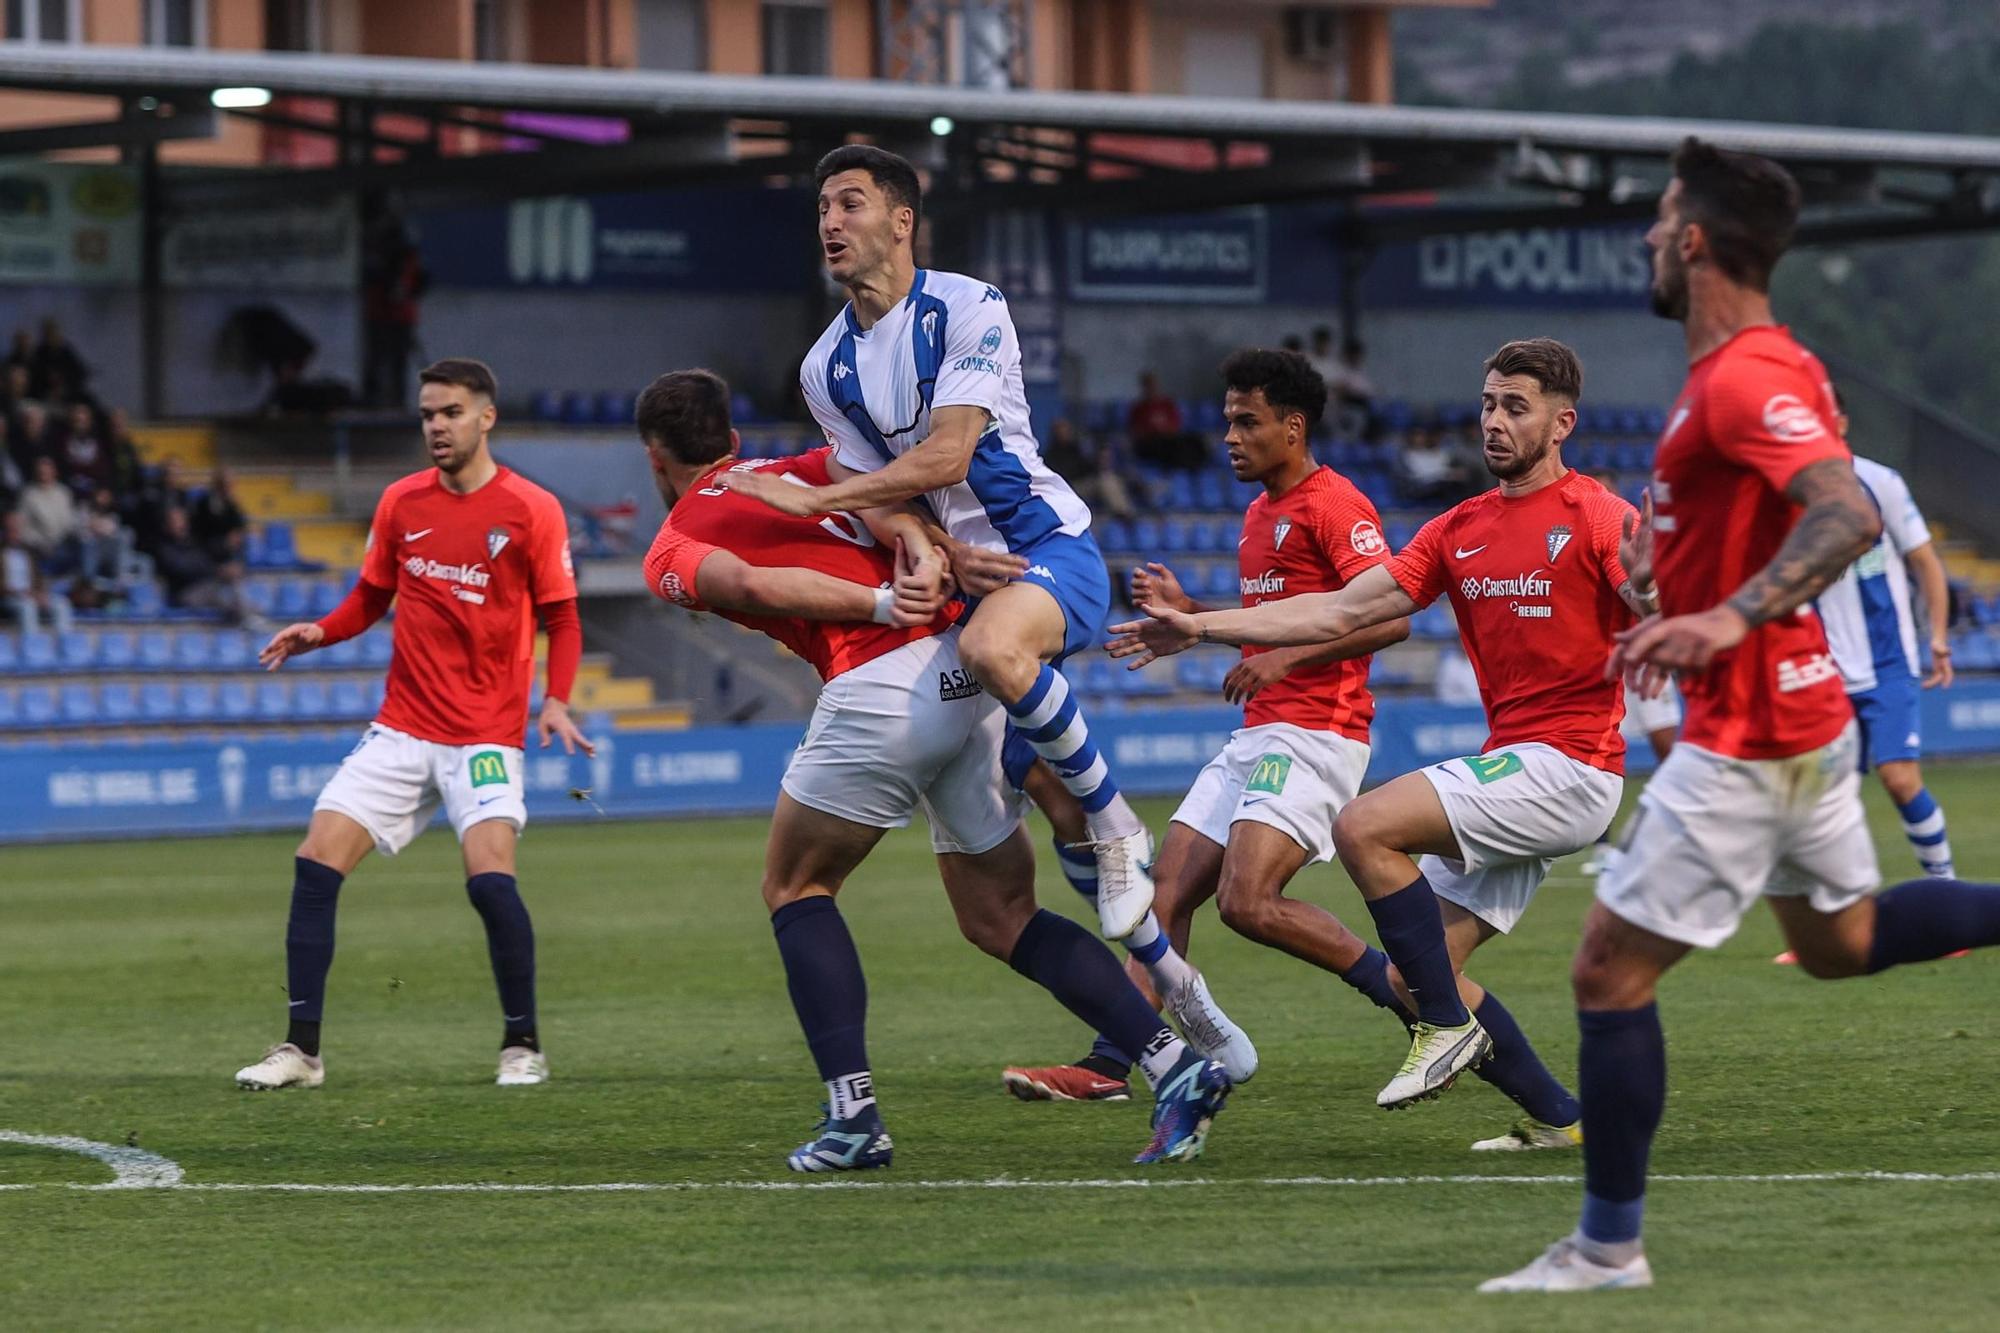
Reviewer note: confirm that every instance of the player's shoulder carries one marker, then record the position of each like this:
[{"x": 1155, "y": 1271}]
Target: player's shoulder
[
  {"x": 414, "y": 484},
  {"x": 539, "y": 499},
  {"x": 1592, "y": 495},
  {"x": 1878, "y": 476},
  {"x": 960, "y": 289},
  {"x": 1329, "y": 494},
  {"x": 823, "y": 346},
  {"x": 1473, "y": 507},
  {"x": 1765, "y": 355}
]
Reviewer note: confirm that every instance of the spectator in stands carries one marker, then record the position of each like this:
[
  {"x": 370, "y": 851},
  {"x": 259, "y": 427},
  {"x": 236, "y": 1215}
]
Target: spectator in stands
[
  {"x": 1159, "y": 435},
  {"x": 194, "y": 579},
  {"x": 32, "y": 437},
  {"x": 1088, "y": 468},
  {"x": 21, "y": 353},
  {"x": 56, "y": 365},
  {"x": 1324, "y": 359},
  {"x": 393, "y": 282},
  {"x": 24, "y": 587},
  {"x": 50, "y": 524},
  {"x": 13, "y": 474},
  {"x": 85, "y": 458},
  {"x": 127, "y": 472},
  {"x": 217, "y": 520},
  {"x": 1351, "y": 394},
  {"x": 106, "y": 550},
  {"x": 159, "y": 491},
  {"x": 1429, "y": 473}
]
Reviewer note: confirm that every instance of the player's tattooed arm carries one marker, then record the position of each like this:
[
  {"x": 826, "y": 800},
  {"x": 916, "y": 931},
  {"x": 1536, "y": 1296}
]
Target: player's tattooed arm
[{"x": 1838, "y": 526}]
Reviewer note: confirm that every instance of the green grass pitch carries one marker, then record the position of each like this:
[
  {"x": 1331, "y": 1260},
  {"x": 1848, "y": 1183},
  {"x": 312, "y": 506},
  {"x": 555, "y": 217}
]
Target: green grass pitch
[{"x": 135, "y": 978}]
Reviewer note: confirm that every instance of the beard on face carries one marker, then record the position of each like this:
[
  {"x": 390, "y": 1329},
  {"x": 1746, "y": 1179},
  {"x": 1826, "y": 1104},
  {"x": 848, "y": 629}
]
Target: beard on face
[
  {"x": 1670, "y": 293},
  {"x": 1521, "y": 463}
]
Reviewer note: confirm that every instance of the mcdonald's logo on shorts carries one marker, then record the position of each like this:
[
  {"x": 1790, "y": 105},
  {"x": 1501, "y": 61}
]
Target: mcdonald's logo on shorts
[
  {"x": 1270, "y": 774},
  {"x": 488, "y": 768}
]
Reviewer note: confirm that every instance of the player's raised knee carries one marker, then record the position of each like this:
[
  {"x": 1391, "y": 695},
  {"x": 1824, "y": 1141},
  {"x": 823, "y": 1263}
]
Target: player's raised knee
[
  {"x": 1250, "y": 912},
  {"x": 998, "y": 659}
]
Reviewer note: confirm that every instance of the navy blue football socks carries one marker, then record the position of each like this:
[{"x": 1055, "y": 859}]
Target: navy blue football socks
[
  {"x": 1074, "y": 966},
  {"x": 1412, "y": 933},
  {"x": 309, "y": 948},
  {"x": 823, "y": 974},
  {"x": 510, "y": 943},
  {"x": 1622, "y": 1077},
  {"x": 1516, "y": 1070},
  {"x": 1923, "y": 919}
]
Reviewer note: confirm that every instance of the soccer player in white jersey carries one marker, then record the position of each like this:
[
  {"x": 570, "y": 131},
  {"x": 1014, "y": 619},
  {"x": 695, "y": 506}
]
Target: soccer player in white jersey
[
  {"x": 1873, "y": 635},
  {"x": 917, "y": 385}
]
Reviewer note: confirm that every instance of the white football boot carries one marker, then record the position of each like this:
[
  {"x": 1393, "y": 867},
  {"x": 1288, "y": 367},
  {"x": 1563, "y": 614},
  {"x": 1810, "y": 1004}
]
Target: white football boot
[
  {"x": 1124, "y": 882},
  {"x": 1565, "y": 1267},
  {"x": 1530, "y": 1135},
  {"x": 1437, "y": 1057},
  {"x": 1210, "y": 1031},
  {"x": 283, "y": 1066},
  {"x": 522, "y": 1068}
]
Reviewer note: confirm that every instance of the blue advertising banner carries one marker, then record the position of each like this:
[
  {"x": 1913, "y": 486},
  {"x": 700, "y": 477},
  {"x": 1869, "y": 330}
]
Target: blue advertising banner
[
  {"x": 688, "y": 240},
  {"x": 1567, "y": 267},
  {"x": 1221, "y": 257},
  {"x": 166, "y": 788}
]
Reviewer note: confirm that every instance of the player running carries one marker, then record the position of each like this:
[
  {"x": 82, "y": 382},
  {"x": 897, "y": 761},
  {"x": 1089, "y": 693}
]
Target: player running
[
  {"x": 471, "y": 554},
  {"x": 917, "y": 384},
  {"x": 1263, "y": 809},
  {"x": 899, "y": 724},
  {"x": 1536, "y": 584},
  {"x": 1758, "y": 511}
]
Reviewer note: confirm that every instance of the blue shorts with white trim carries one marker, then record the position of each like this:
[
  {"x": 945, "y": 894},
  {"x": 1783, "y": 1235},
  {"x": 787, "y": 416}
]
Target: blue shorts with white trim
[
  {"x": 1072, "y": 569},
  {"x": 1889, "y": 716}
]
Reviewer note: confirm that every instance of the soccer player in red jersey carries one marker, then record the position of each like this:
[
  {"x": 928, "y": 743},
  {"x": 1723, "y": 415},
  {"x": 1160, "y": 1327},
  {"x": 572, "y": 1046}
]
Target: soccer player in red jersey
[
  {"x": 471, "y": 554},
  {"x": 902, "y": 723},
  {"x": 1756, "y": 510},
  {"x": 1263, "y": 809},
  {"x": 1532, "y": 570}
]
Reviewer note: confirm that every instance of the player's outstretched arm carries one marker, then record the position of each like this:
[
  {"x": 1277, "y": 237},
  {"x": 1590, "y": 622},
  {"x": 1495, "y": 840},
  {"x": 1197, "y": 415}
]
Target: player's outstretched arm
[
  {"x": 1313, "y": 618},
  {"x": 1252, "y": 674},
  {"x": 1838, "y": 525},
  {"x": 943, "y": 458},
  {"x": 364, "y": 604},
  {"x": 729, "y": 583}
]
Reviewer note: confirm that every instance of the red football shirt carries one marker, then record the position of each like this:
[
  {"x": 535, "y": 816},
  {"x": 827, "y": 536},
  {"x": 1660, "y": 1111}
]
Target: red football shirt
[
  {"x": 1755, "y": 412},
  {"x": 711, "y": 518},
  {"x": 1317, "y": 537},
  {"x": 1534, "y": 585},
  {"x": 468, "y": 572}
]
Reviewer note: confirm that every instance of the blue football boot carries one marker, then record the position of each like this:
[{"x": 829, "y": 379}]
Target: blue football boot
[
  {"x": 1189, "y": 1097},
  {"x": 859, "y": 1144}
]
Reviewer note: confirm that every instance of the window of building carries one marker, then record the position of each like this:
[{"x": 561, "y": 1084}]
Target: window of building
[
  {"x": 44, "y": 20},
  {"x": 293, "y": 25},
  {"x": 493, "y": 25},
  {"x": 671, "y": 34},
  {"x": 795, "y": 37},
  {"x": 176, "y": 23}
]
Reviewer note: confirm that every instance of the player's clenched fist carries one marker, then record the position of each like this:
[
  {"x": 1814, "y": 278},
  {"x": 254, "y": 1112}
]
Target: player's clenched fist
[{"x": 289, "y": 642}]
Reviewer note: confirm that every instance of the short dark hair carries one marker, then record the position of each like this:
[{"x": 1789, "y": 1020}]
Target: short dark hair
[
  {"x": 686, "y": 412},
  {"x": 893, "y": 175},
  {"x": 463, "y": 371},
  {"x": 1747, "y": 205},
  {"x": 1551, "y": 364},
  {"x": 1289, "y": 382}
]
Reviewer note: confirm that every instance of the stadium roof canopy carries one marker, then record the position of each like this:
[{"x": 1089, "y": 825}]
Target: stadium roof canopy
[{"x": 1071, "y": 151}]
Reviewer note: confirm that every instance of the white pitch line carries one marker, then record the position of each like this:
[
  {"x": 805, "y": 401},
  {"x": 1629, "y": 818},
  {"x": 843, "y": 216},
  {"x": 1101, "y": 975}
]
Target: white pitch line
[
  {"x": 131, "y": 1168},
  {"x": 1009, "y": 1183}
]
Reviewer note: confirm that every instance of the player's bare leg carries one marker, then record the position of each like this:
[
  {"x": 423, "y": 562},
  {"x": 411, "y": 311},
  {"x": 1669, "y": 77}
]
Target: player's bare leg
[
  {"x": 993, "y": 895},
  {"x": 1376, "y": 837},
  {"x": 1008, "y": 645},
  {"x": 334, "y": 844},
  {"x": 488, "y": 848},
  {"x": 809, "y": 856},
  {"x": 1553, "y": 1118}
]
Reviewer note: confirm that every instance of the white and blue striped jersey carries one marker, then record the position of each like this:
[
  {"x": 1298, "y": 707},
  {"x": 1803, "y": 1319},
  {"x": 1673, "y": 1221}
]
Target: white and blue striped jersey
[
  {"x": 1866, "y": 610},
  {"x": 949, "y": 343}
]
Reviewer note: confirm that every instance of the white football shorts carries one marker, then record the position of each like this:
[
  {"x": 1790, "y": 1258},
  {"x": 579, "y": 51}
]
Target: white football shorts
[
  {"x": 909, "y": 729},
  {"x": 391, "y": 783},
  {"x": 1515, "y": 810},
  {"x": 1712, "y": 833},
  {"x": 1290, "y": 778},
  {"x": 1645, "y": 716}
]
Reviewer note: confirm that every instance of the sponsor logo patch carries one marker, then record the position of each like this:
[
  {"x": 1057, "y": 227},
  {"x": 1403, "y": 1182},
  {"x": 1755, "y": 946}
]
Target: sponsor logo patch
[
  {"x": 1493, "y": 767},
  {"x": 1367, "y": 539},
  {"x": 674, "y": 590},
  {"x": 1279, "y": 532},
  {"x": 989, "y": 342},
  {"x": 1788, "y": 418},
  {"x": 957, "y": 684},
  {"x": 496, "y": 542},
  {"x": 487, "y": 768},
  {"x": 1264, "y": 585},
  {"x": 1531, "y": 584},
  {"x": 1269, "y": 774},
  {"x": 1796, "y": 673},
  {"x": 1559, "y": 536}
]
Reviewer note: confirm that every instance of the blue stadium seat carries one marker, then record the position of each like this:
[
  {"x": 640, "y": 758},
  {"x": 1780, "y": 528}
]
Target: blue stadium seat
[
  {"x": 293, "y": 600},
  {"x": 1097, "y": 676},
  {"x": 376, "y": 648},
  {"x": 1655, "y": 419},
  {"x": 280, "y": 551},
  {"x": 1146, "y": 537},
  {"x": 1191, "y": 672},
  {"x": 234, "y": 701},
  {"x": 274, "y": 700},
  {"x": 1223, "y": 581},
  {"x": 1180, "y": 491},
  {"x": 1114, "y": 534},
  {"x": 326, "y": 594},
  {"x": 377, "y": 687},
  {"x": 1210, "y": 491},
  {"x": 79, "y": 704},
  {"x": 234, "y": 650},
  {"x": 616, "y": 408},
  {"x": 198, "y": 702},
  {"x": 348, "y": 699},
  {"x": 253, "y": 547},
  {"x": 194, "y": 650},
  {"x": 158, "y": 701},
  {"x": 118, "y": 702},
  {"x": 742, "y": 409},
  {"x": 38, "y": 706},
  {"x": 10, "y": 653},
  {"x": 144, "y": 600},
  {"x": 1174, "y": 536},
  {"x": 117, "y": 651},
  {"x": 545, "y": 405},
  {"x": 346, "y": 653},
  {"x": 576, "y": 409},
  {"x": 10, "y": 707},
  {"x": 38, "y": 652},
  {"x": 261, "y": 597},
  {"x": 310, "y": 701},
  {"x": 156, "y": 650},
  {"x": 77, "y": 650}
]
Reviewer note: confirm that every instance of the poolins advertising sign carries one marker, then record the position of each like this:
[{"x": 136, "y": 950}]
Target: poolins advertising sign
[{"x": 1605, "y": 267}]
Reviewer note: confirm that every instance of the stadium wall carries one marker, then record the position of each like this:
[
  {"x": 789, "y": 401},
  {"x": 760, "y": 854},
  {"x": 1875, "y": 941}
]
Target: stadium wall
[{"x": 221, "y": 785}]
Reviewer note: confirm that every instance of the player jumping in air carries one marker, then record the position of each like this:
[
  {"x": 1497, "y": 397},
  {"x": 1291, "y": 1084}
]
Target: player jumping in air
[
  {"x": 899, "y": 724},
  {"x": 1534, "y": 576},
  {"x": 917, "y": 385},
  {"x": 1757, "y": 510},
  {"x": 471, "y": 554}
]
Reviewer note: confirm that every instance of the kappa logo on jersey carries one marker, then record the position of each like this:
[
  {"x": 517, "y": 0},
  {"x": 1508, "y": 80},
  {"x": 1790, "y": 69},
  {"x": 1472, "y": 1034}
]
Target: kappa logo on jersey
[
  {"x": 1279, "y": 533},
  {"x": 1803, "y": 673},
  {"x": 1367, "y": 539},
  {"x": 674, "y": 590},
  {"x": 841, "y": 370},
  {"x": 1559, "y": 536},
  {"x": 930, "y": 326},
  {"x": 992, "y": 294},
  {"x": 1521, "y": 585},
  {"x": 1788, "y": 418},
  {"x": 957, "y": 684},
  {"x": 1264, "y": 585},
  {"x": 496, "y": 542}
]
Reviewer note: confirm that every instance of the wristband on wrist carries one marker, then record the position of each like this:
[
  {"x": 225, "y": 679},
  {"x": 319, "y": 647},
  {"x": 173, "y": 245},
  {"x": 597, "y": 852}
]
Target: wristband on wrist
[{"x": 885, "y": 605}]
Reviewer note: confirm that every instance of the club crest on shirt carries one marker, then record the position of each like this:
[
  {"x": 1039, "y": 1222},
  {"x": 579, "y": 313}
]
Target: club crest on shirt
[
  {"x": 1282, "y": 530},
  {"x": 1559, "y": 536},
  {"x": 496, "y": 542}
]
